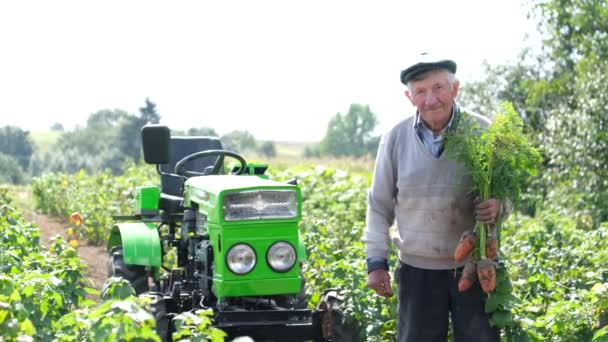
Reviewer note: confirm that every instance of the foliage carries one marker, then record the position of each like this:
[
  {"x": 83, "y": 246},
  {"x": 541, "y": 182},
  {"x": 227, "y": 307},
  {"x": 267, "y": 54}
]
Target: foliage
[
  {"x": 114, "y": 320},
  {"x": 109, "y": 139},
  {"x": 559, "y": 271},
  {"x": 499, "y": 159},
  {"x": 267, "y": 149},
  {"x": 5, "y": 196},
  {"x": 561, "y": 93},
  {"x": 116, "y": 288},
  {"x": 129, "y": 136},
  {"x": 16, "y": 143},
  {"x": 556, "y": 262},
  {"x": 10, "y": 170},
  {"x": 197, "y": 326},
  {"x": 202, "y": 131},
  {"x": 334, "y": 206},
  {"x": 351, "y": 134},
  {"x": 62, "y": 194},
  {"x": 37, "y": 286},
  {"x": 239, "y": 141},
  {"x": 57, "y": 126}
]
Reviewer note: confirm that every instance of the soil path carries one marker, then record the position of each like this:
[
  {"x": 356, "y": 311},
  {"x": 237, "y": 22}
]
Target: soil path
[{"x": 95, "y": 258}]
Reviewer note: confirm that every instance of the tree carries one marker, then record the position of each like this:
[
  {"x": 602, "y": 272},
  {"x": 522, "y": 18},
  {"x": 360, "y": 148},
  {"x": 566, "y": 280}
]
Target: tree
[
  {"x": 563, "y": 95},
  {"x": 238, "y": 141},
  {"x": 268, "y": 149},
  {"x": 130, "y": 127},
  {"x": 10, "y": 171},
  {"x": 16, "y": 143},
  {"x": 148, "y": 113},
  {"x": 351, "y": 134},
  {"x": 57, "y": 127},
  {"x": 203, "y": 131}
]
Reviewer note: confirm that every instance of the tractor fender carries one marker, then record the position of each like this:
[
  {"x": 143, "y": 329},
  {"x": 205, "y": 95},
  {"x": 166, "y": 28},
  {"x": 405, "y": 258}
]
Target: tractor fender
[{"x": 140, "y": 243}]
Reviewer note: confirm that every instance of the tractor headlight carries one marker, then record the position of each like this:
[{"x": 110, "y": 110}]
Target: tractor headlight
[
  {"x": 241, "y": 258},
  {"x": 260, "y": 204},
  {"x": 281, "y": 256}
]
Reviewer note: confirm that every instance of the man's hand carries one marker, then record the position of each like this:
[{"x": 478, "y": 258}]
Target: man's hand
[
  {"x": 380, "y": 281},
  {"x": 487, "y": 211}
]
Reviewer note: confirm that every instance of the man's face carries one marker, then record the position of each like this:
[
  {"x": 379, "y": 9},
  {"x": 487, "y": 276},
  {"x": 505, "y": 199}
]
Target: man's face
[{"x": 433, "y": 96}]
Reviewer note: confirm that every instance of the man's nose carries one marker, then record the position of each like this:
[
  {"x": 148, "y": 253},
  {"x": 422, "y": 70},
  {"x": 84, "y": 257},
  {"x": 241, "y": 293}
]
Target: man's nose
[{"x": 430, "y": 99}]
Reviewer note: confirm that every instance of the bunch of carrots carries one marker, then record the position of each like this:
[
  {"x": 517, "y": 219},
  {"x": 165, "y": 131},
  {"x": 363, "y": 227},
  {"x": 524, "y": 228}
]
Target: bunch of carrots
[
  {"x": 498, "y": 160},
  {"x": 482, "y": 267}
]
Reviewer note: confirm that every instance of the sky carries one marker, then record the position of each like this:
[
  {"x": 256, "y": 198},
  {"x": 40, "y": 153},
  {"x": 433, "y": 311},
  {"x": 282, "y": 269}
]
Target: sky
[{"x": 279, "y": 69}]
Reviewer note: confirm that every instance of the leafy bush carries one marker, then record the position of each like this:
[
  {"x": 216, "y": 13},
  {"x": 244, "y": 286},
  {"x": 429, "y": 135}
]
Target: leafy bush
[
  {"x": 97, "y": 197},
  {"x": 334, "y": 207},
  {"x": 557, "y": 262},
  {"x": 559, "y": 271},
  {"x": 37, "y": 286}
]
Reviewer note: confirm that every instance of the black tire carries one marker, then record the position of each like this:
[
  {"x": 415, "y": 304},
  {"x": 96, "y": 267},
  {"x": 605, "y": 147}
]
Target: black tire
[
  {"x": 333, "y": 323},
  {"x": 134, "y": 274}
]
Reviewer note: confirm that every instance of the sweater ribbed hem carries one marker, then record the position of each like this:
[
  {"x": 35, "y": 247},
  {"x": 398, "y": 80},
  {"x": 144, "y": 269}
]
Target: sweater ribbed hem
[{"x": 430, "y": 264}]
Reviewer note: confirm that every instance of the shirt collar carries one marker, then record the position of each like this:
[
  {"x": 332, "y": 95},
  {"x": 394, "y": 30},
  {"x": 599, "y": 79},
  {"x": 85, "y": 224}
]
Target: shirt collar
[{"x": 419, "y": 124}]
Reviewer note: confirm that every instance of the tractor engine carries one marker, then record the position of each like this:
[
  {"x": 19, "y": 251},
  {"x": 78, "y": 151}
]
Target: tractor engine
[{"x": 199, "y": 259}]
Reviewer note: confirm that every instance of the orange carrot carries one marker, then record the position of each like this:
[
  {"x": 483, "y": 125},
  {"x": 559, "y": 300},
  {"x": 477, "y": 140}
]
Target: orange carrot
[
  {"x": 465, "y": 246},
  {"x": 486, "y": 271},
  {"x": 492, "y": 248},
  {"x": 468, "y": 277}
]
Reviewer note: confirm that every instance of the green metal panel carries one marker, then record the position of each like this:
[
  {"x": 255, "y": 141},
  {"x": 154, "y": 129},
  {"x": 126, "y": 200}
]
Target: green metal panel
[
  {"x": 260, "y": 237},
  {"x": 258, "y": 287},
  {"x": 147, "y": 198},
  {"x": 209, "y": 191},
  {"x": 140, "y": 242}
]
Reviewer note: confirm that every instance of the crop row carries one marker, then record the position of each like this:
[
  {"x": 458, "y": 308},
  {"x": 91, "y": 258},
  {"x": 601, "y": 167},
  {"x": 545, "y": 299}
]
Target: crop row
[
  {"x": 557, "y": 265},
  {"x": 43, "y": 294}
]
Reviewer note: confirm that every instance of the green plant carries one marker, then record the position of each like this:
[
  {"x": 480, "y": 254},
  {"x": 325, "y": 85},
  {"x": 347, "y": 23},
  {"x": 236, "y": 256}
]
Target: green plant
[
  {"x": 499, "y": 160},
  {"x": 197, "y": 326}
]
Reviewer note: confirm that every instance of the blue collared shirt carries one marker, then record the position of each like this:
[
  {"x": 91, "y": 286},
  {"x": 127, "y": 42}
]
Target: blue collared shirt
[{"x": 434, "y": 143}]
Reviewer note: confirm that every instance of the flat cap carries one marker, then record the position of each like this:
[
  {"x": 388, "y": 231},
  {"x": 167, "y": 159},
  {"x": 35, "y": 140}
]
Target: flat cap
[{"x": 426, "y": 62}]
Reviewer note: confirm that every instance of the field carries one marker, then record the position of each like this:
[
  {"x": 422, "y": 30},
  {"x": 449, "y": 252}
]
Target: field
[{"x": 556, "y": 263}]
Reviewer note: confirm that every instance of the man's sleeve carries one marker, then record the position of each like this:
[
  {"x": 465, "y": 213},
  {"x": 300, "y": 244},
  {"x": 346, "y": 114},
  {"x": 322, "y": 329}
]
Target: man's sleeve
[
  {"x": 381, "y": 203},
  {"x": 505, "y": 209}
]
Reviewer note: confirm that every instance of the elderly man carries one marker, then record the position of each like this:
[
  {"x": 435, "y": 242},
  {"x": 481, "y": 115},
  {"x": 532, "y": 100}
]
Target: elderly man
[{"x": 416, "y": 185}]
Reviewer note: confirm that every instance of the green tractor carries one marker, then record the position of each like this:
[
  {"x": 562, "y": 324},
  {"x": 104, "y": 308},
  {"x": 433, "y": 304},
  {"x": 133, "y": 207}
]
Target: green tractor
[{"x": 237, "y": 247}]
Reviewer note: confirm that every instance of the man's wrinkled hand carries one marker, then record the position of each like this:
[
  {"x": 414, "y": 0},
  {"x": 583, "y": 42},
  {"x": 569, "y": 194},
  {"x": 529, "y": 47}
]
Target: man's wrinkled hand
[
  {"x": 380, "y": 281},
  {"x": 487, "y": 211}
]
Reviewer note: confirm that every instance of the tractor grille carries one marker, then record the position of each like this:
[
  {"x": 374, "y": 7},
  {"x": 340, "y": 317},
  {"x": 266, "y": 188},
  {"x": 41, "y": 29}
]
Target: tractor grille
[{"x": 260, "y": 204}]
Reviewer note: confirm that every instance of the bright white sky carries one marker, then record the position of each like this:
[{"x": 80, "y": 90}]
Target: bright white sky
[{"x": 279, "y": 69}]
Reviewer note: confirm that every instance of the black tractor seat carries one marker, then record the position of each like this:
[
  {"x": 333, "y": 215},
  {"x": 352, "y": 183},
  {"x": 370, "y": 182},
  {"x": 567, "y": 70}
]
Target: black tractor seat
[{"x": 171, "y": 203}]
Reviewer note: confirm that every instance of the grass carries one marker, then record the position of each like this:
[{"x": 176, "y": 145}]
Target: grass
[{"x": 44, "y": 140}]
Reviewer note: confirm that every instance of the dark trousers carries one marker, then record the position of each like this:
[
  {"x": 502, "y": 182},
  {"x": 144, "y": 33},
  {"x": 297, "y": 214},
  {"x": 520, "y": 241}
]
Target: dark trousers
[{"x": 426, "y": 299}]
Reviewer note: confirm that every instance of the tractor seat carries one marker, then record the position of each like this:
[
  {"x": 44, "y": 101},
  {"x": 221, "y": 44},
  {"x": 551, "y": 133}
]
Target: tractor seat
[{"x": 171, "y": 203}]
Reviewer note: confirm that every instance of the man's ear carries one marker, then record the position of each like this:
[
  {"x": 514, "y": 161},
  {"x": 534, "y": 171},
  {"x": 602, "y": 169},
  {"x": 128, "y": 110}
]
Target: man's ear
[
  {"x": 409, "y": 96},
  {"x": 455, "y": 89}
]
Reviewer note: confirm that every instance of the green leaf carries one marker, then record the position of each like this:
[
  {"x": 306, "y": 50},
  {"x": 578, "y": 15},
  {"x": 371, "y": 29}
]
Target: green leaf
[
  {"x": 501, "y": 319},
  {"x": 601, "y": 335}
]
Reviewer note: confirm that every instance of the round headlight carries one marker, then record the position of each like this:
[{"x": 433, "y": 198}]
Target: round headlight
[
  {"x": 241, "y": 258},
  {"x": 281, "y": 256}
]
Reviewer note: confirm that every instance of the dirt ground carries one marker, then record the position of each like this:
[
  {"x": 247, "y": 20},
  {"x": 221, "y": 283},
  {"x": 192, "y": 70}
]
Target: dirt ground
[{"x": 95, "y": 258}]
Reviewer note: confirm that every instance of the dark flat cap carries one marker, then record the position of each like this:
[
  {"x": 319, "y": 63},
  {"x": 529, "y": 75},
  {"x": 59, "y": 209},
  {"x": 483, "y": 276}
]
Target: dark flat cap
[{"x": 426, "y": 62}]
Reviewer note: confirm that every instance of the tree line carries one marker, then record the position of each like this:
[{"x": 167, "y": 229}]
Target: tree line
[
  {"x": 112, "y": 137},
  {"x": 561, "y": 93}
]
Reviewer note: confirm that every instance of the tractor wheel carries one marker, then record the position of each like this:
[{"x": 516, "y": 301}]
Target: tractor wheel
[
  {"x": 158, "y": 309},
  {"x": 134, "y": 274},
  {"x": 333, "y": 324}
]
